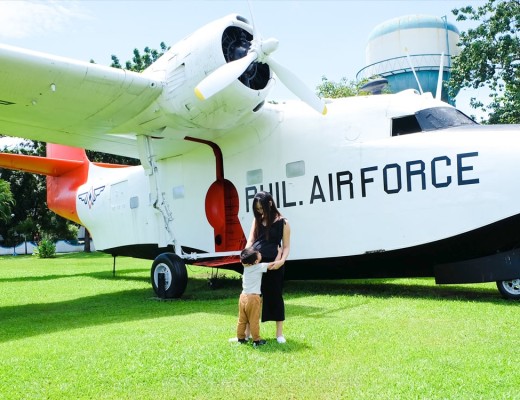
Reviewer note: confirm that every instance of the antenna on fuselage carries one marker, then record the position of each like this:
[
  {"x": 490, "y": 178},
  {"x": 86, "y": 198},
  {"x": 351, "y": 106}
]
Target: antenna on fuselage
[
  {"x": 438, "y": 92},
  {"x": 413, "y": 69}
]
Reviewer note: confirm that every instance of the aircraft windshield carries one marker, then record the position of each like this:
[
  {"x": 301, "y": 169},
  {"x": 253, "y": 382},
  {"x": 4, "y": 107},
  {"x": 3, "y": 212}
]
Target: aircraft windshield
[
  {"x": 430, "y": 119},
  {"x": 442, "y": 117}
]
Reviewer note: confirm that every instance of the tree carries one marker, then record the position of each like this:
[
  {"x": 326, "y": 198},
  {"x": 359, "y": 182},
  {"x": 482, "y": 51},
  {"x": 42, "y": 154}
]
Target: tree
[
  {"x": 490, "y": 57},
  {"x": 141, "y": 61},
  {"x": 6, "y": 201},
  {"x": 343, "y": 88}
]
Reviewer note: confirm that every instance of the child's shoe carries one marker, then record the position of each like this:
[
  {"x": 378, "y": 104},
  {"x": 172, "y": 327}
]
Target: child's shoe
[{"x": 237, "y": 340}]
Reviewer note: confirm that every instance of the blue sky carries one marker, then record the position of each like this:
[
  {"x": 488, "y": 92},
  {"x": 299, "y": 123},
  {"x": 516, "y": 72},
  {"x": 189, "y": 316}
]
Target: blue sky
[{"x": 317, "y": 38}]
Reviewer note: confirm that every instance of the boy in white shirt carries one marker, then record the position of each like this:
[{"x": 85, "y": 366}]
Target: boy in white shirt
[{"x": 250, "y": 302}]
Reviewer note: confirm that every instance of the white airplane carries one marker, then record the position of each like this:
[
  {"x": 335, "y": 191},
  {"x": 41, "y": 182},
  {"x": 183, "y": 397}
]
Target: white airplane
[{"x": 398, "y": 185}]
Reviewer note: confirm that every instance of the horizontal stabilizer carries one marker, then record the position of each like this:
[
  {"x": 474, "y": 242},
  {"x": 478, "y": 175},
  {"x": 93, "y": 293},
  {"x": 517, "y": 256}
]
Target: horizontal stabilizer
[{"x": 38, "y": 165}]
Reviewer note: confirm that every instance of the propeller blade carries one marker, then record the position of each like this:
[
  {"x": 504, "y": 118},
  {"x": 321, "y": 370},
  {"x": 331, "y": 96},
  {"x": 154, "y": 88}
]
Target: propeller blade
[
  {"x": 295, "y": 85},
  {"x": 223, "y": 76}
]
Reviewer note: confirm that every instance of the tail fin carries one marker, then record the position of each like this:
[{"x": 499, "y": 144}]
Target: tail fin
[
  {"x": 66, "y": 169},
  {"x": 61, "y": 189}
]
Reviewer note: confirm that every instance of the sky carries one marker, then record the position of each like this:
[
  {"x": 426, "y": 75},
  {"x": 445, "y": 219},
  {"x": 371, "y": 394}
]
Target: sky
[{"x": 317, "y": 38}]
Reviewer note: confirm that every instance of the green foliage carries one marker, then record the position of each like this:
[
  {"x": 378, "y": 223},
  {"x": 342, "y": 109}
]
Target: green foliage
[
  {"x": 490, "y": 57},
  {"x": 343, "y": 88},
  {"x": 6, "y": 201},
  {"x": 140, "y": 61},
  {"x": 73, "y": 231},
  {"x": 46, "y": 249},
  {"x": 96, "y": 156}
]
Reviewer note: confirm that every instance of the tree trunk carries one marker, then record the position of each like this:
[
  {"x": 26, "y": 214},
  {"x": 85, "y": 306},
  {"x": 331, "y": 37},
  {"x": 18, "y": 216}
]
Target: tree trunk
[{"x": 87, "y": 241}]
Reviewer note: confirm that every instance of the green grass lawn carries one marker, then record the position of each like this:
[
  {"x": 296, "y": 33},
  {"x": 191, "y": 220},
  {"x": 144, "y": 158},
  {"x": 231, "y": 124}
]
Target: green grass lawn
[{"x": 70, "y": 330}]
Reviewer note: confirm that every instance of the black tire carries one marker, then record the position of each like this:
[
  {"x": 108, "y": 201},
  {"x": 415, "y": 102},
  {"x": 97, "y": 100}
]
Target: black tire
[
  {"x": 509, "y": 289},
  {"x": 175, "y": 275}
]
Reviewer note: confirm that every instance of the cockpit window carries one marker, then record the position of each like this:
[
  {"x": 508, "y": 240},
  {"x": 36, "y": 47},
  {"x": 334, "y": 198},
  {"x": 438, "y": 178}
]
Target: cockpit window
[
  {"x": 430, "y": 119},
  {"x": 405, "y": 125}
]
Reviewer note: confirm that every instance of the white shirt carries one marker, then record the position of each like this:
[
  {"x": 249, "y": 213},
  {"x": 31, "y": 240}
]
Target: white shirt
[{"x": 252, "y": 278}]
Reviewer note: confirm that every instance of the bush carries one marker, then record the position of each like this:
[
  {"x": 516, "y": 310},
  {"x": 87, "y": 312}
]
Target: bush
[{"x": 45, "y": 249}]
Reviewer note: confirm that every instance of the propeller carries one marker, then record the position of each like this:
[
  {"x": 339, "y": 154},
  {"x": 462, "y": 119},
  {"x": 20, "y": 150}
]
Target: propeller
[{"x": 258, "y": 52}]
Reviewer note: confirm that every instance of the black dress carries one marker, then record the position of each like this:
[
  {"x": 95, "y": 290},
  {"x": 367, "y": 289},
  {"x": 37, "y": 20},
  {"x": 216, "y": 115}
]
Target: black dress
[{"x": 273, "y": 308}]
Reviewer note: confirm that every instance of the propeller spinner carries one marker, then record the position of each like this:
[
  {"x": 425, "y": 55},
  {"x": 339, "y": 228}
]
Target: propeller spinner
[{"x": 258, "y": 55}]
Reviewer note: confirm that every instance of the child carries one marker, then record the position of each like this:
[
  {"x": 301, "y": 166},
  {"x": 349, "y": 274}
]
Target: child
[{"x": 250, "y": 303}]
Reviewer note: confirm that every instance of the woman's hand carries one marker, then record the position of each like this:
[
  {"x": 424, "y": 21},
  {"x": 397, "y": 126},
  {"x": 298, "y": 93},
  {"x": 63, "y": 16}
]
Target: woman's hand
[{"x": 276, "y": 264}]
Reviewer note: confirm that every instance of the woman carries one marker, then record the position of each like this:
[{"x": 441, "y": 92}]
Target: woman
[{"x": 268, "y": 231}]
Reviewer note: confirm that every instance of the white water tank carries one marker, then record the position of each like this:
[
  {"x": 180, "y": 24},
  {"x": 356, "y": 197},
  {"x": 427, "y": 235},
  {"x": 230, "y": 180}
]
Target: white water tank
[{"x": 398, "y": 44}]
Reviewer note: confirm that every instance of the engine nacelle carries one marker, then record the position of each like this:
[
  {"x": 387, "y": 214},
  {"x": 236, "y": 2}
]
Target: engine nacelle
[{"x": 186, "y": 64}]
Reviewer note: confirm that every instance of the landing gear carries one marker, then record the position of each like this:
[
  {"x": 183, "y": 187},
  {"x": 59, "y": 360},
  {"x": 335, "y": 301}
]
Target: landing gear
[
  {"x": 509, "y": 289},
  {"x": 175, "y": 275}
]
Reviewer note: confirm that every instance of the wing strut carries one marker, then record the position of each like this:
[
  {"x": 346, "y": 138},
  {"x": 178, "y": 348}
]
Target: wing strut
[{"x": 158, "y": 195}]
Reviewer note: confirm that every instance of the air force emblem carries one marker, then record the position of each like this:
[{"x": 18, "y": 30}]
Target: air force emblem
[{"x": 89, "y": 197}]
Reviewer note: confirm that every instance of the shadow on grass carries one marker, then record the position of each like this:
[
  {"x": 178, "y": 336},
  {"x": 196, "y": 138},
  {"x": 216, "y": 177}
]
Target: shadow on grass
[
  {"x": 27, "y": 320},
  {"x": 387, "y": 288},
  {"x": 120, "y": 274},
  {"x": 222, "y": 283}
]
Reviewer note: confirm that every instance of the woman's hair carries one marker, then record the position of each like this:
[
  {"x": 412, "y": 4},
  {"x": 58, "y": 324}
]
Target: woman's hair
[{"x": 270, "y": 211}]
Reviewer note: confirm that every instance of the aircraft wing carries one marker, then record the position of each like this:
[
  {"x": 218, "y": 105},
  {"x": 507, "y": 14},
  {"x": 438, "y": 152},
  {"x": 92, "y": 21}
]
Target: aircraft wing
[{"x": 58, "y": 100}]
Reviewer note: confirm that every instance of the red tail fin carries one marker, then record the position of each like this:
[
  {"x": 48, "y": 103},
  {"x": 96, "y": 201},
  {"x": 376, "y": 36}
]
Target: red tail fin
[{"x": 61, "y": 189}]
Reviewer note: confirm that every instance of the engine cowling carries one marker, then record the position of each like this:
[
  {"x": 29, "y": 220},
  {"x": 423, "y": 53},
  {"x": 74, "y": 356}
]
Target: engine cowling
[{"x": 187, "y": 63}]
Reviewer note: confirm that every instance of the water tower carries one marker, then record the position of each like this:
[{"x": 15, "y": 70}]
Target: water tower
[{"x": 417, "y": 41}]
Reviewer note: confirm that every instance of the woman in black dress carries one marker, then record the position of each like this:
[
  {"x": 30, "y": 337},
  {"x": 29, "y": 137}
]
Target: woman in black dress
[{"x": 269, "y": 231}]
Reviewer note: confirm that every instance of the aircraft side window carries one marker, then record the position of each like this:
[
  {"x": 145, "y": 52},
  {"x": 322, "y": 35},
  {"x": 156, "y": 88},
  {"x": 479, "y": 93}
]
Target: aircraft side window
[
  {"x": 295, "y": 169},
  {"x": 134, "y": 202},
  {"x": 405, "y": 125},
  {"x": 178, "y": 192},
  {"x": 254, "y": 177}
]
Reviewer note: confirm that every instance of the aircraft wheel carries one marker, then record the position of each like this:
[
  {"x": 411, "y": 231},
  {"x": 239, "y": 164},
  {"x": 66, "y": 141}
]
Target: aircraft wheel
[
  {"x": 509, "y": 289},
  {"x": 175, "y": 275}
]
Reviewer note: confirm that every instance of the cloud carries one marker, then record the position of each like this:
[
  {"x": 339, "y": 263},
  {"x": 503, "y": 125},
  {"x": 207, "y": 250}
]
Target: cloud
[{"x": 22, "y": 19}]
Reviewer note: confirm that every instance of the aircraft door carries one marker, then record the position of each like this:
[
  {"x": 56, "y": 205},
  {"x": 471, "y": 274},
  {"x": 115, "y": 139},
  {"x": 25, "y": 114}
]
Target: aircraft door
[{"x": 222, "y": 205}]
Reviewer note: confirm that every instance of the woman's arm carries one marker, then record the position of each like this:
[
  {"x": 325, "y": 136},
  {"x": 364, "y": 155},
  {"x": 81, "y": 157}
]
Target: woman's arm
[
  {"x": 251, "y": 238},
  {"x": 279, "y": 254}
]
